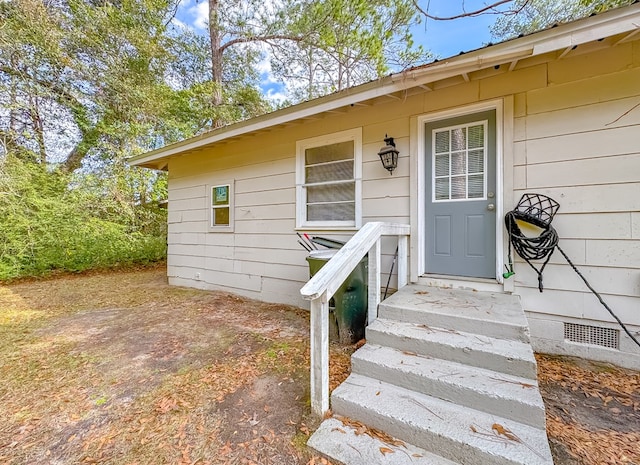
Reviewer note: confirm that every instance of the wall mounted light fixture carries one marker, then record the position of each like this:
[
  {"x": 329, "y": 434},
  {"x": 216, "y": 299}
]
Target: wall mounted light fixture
[{"x": 389, "y": 154}]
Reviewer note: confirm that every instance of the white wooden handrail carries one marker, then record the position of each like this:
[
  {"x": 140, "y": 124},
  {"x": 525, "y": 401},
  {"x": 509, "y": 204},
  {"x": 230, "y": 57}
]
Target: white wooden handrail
[{"x": 326, "y": 282}]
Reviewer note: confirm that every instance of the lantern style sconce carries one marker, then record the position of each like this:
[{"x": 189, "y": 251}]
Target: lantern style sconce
[{"x": 389, "y": 154}]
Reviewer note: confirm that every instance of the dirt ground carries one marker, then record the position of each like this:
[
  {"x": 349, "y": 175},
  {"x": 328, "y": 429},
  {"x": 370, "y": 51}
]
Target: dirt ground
[{"x": 120, "y": 368}]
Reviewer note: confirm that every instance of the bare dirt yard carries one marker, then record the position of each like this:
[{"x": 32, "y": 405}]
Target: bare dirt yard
[{"x": 120, "y": 368}]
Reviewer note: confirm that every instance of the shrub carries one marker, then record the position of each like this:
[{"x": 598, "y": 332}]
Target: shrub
[{"x": 45, "y": 225}]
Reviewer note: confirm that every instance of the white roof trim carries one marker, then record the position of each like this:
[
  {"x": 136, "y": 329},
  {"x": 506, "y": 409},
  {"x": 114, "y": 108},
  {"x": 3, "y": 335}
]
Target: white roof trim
[{"x": 568, "y": 35}]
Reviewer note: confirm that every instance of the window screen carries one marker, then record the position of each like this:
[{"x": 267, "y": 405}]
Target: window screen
[
  {"x": 459, "y": 162},
  {"x": 330, "y": 182}
]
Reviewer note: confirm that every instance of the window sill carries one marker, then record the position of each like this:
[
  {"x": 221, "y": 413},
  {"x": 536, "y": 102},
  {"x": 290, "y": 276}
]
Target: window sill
[
  {"x": 326, "y": 228},
  {"x": 221, "y": 229}
]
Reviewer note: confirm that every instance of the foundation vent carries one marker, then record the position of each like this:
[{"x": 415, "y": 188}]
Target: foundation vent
[{"x": 595, "y": 335}]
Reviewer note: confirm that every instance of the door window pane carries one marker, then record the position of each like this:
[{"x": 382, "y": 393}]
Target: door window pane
[
  {"x": 458, "y": 163},
  {"x": 442, "y": 189},
  {"x": 459, "y": 139},
  {"x": 476, "y": 136},
  {"x": 459, "y": 187},
  {"x": 458, "y": 159},
  {"x": 442, "y": 165},
  {"x": 442, "y": 142},
  {"x": 476, "y": 161},
  {"x": 476, "y": 186}
]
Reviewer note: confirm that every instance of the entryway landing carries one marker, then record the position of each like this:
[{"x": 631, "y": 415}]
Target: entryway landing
[{"x": 488, "y": 313}]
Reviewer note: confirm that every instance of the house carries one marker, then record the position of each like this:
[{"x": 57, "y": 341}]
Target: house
[{"x": 555, "y": 113}]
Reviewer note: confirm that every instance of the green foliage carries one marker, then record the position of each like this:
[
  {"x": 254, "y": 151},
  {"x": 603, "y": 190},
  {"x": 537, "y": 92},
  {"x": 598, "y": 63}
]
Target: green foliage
[
  {"x": 345, "y": 43},
  {"x": 535, "y": 15},
  {"x": 85, "y": 84},
  {"x": 599, "y": 6},
  {"x": 47, "y": 226},
  {"x": 86, "y": 80}
]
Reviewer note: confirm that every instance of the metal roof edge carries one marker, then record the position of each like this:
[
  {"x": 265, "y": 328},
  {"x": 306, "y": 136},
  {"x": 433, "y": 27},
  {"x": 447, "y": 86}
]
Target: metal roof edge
[{"x": 570, "y": 34}]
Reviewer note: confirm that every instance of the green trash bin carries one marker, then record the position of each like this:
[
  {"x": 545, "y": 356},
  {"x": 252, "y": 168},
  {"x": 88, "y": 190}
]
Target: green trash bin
[{"x": 350, "y": 300}]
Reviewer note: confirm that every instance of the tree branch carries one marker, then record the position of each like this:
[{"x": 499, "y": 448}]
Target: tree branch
[
  {"x": 90, "y": 133},
  {"x": 265, "y": 38},
  {"x": 478, "y": 12}
]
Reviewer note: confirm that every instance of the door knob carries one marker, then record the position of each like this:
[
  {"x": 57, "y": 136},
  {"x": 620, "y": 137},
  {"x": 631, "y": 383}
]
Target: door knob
[{"x": 491, "y": 207}]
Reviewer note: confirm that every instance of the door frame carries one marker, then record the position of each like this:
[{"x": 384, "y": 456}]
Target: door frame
[{"x": 504, "y": 138}]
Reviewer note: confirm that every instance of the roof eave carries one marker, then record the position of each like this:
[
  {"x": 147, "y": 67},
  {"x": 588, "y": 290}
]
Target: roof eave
[{"x": 568, "y": 35}]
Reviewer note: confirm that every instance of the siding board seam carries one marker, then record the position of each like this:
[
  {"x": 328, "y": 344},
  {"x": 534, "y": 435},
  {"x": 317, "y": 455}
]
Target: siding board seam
[
  {"x": 577, "y": 133},
  {"x": 584, "y": 105}
]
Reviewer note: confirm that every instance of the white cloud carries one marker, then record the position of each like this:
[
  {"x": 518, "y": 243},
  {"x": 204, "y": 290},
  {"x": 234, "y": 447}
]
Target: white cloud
[
  {"x": 264, "y": 65},
  {"x": 200, "y": 14},
  {"x": 276, "y": 96},
  {"x": 272, "y": 88}
]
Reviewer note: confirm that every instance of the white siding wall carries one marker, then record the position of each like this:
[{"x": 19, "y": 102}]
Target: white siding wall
[
  {"x": 262, "y": 258},
  {"x": 577, "y": 140}
]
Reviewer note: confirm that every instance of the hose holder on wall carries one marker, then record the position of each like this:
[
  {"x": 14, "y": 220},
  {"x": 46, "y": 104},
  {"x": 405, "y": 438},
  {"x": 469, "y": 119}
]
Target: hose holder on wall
[
  {"x": 533, "y": 238},
  {"x": 531, "y": 233}
]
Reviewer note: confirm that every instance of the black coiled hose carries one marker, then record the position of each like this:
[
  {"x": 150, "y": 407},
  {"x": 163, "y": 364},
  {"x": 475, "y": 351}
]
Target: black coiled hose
[
  {"x": 538, "y": 210},
  {"x": 531, "y": 248}
]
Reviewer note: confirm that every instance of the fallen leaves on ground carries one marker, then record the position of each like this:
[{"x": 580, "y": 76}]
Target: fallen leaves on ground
[
  {"x": 139, "y": 376},
  {"x": 318, "y": 461},
  {"x": 579, "y": 396},
  {"x": 119, "y": 368}
]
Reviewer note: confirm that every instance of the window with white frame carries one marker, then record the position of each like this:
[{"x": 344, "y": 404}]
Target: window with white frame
[
  {"x": 459, "y": 158},
  {"x": 328, "y": 180},
  {"x": 221, "y": 207}
]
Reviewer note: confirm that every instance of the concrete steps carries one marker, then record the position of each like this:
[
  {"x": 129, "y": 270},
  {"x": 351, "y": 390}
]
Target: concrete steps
[
  {"x": 501, "y": 355},
  {"x": 444, "y": 371},
  {"x": 341, "y": 443},
  {"x": 508, "y": 396},
  {"x": 442, "y": 427}
]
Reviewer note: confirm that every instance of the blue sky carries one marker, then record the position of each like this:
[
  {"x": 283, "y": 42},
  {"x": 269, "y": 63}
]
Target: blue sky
[
  {"x": 442, "y": 38},
  {"x": 448, "y": 38}
]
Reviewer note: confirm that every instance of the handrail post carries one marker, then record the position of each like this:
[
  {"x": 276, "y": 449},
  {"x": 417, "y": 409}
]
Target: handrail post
[
  {"x": 374, "y": 282},
  {"x": 324, "y": 284},
  {"x": 320, "y": 355},
  {"x": 402, "y": 261}
]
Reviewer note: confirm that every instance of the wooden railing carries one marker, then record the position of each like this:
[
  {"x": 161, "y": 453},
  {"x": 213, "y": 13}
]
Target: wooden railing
[{"x": 326, "y": 282}]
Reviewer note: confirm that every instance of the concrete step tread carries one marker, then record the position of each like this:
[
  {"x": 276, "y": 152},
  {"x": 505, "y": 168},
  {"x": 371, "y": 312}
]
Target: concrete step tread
[
  {"x": 457, "y": 433},
  {"x": 513, "y": 350},
  {"x": 493, "y": 307},
  {"x": 453, "y": 337},
  {"x": 341, "y": 444},
  {"x": 510, "y": 396}
]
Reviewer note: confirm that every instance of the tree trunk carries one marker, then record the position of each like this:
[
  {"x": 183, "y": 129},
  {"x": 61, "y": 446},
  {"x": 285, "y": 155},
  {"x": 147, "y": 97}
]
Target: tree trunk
[
  {"x": 38, "y": 128},
  {"x": 74, "y": 160},
  {"x": 216, "y": 57},
  {"x": 10, "y": 135}
]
